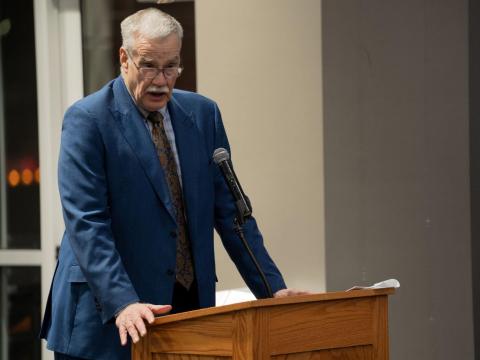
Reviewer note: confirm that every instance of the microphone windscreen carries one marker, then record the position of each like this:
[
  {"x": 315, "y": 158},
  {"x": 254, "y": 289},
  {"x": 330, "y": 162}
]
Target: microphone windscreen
[{"x": 220, "y": 155}]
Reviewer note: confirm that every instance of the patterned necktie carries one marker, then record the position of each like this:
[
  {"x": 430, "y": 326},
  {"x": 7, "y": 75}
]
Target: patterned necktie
[{"x": 184, "y": 268}]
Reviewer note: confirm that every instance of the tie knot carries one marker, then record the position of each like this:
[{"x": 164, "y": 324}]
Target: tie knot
[{"x": 155, "y": 117}]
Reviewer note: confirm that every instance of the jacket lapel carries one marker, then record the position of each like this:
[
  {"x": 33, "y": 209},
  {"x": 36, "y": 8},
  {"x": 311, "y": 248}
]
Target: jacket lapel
[{"x": 131, "y": 124}]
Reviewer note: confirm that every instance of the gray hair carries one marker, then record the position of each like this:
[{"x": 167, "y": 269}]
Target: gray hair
[{"x": 151, "y": 24}]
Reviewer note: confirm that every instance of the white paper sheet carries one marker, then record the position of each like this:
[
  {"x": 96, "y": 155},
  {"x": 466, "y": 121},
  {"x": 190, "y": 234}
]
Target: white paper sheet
[
  {"x": 233, "y": 296},
  {"x": 390, "y": 283}
]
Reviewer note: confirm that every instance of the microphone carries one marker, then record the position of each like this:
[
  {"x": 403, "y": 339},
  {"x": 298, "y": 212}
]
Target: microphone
[{"x": 221, "y": 157}]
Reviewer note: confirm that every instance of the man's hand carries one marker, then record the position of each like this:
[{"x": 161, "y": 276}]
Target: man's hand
[
  {"x": 290, "y": 292},
  {"x": 131, "y": 320}
]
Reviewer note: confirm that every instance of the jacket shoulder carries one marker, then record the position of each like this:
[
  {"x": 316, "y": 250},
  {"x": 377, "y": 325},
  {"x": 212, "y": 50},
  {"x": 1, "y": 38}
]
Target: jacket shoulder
[
  {"x": 96, "y": 103},
  {"x": 189, "y": 98}
]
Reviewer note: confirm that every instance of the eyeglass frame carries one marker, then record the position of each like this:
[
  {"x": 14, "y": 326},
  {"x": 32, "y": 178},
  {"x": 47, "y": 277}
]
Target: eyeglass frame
[{"x": 142, "y": 69}]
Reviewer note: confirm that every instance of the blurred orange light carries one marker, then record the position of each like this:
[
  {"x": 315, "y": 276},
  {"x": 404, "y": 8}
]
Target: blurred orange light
[
  {"x": 27, "y": 176},
  {"x": 13, "y": 178},
  {"x": 37, "y": 175}
]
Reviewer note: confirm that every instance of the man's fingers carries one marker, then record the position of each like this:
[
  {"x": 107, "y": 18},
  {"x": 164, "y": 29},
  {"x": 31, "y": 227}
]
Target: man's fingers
[
  {"x": 290, "y": 292},
  {"x": 148, "y": 315},
  {"x": 140, "y": 325},
  {"x": 122, "y": 330},
  {"x": 130, "y": 321},
  {"x": 303, "y": 292},
  {"x": 160, "y": 309},
  {"x": 132, "y": 331}
]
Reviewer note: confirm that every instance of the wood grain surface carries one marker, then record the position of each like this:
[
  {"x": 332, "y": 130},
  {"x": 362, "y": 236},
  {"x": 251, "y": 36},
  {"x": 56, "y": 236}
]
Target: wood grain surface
[
  {"x": 334, "y": 323},
  {"x": 332, "y": 326},
  {"x": 187, "y": 357},
  {"x": 351, "y": 353},
  {"x": 211, "y": 335}
]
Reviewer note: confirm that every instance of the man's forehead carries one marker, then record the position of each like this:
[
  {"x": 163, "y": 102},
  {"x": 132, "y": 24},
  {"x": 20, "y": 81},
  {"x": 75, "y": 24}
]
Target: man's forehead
[
  {"x": 170, "y": 41},
  {"x": 157, "y": 49}
]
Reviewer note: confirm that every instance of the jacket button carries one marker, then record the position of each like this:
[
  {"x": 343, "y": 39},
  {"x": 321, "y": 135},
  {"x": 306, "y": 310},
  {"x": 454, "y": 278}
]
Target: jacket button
[
  {"x": 173, "y": 234},
  {"x": 97, "y": 304},
  {"x": 170, "y": 272}
]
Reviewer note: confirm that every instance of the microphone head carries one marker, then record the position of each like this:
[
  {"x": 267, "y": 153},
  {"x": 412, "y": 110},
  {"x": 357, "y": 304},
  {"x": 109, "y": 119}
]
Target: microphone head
[{"x": 220, "y": 155}]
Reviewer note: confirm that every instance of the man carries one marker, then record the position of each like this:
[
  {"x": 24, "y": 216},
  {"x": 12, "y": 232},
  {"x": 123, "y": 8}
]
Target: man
[{"x": 141, "y": 197}]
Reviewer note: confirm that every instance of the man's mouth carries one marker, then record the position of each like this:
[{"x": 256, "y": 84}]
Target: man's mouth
[
  {"x": 157, "y": 95},
  {"x": 158, "y": 92}
]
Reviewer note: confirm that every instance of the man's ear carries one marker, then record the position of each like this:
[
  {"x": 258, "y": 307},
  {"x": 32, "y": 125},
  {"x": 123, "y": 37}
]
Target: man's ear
[{"x": 123, "y": 57}]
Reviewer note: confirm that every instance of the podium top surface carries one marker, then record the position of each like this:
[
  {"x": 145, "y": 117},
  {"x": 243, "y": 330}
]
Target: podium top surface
[{"x": 329, "y": 296}]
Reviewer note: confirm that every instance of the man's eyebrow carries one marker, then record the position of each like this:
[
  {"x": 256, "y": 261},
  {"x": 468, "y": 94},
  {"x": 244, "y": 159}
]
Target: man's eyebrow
[{"x": 145, "y": 59}]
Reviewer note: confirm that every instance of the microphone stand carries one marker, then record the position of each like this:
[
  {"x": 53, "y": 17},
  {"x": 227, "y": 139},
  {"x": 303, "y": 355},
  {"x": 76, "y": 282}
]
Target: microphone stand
[{"x": 238, "y": 223}]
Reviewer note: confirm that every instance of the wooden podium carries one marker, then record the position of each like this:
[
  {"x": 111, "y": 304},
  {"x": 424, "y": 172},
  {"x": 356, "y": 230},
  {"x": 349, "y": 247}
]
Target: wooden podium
[{"x": 337, "y": 325}]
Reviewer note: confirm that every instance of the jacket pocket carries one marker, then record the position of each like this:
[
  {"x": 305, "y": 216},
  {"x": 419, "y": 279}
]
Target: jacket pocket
[{"x": 75, "y": 276}]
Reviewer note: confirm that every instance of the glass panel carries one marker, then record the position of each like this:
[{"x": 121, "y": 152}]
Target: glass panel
[
  {"x": 101, "y": 39},
  {"x": 19, "y": 165},
  {"x": 20, "y": 301}
]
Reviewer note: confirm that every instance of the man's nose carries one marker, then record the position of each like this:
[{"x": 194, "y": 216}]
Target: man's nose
[{"x": 160, "y": 79}]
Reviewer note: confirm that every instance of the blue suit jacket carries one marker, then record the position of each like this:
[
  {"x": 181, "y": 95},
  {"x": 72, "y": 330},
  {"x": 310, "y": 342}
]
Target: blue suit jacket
[{"x": 119, "y": 244}]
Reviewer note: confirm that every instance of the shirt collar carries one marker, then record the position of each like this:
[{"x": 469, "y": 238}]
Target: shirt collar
[{"x": 145, "y": 113}]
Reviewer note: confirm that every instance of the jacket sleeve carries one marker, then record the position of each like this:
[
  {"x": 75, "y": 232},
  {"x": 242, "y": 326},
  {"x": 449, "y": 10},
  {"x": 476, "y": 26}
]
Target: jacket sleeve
[
  {"x": 84, "y": 195},
  {"x": 225, "y": 212}
]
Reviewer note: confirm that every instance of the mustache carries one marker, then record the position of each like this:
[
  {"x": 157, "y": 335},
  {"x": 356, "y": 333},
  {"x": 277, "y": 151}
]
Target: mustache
[{"x": 158, "y": 89}]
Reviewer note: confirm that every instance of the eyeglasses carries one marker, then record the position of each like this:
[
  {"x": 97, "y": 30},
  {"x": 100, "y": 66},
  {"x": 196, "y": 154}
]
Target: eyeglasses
[{"x": 148, "y": 72}]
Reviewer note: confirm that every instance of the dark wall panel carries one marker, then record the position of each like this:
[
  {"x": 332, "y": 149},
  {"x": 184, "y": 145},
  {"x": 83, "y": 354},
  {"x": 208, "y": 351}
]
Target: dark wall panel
[
  {"x": 397, "y": 165},
  {"x": 474, "y": 32}
]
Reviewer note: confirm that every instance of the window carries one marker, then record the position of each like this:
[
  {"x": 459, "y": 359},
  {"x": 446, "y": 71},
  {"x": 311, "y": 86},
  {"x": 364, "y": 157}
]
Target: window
[
  {"x": 101, "y": 39},
  {"x": 19, "y": 165},
  {"x": 20, "y": 293},
  {"x": 20, "y": 312}
]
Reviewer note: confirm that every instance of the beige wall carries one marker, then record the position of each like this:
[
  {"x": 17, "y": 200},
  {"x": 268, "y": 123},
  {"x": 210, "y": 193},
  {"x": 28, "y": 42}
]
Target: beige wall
[{"x": 261, "y": 61}]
